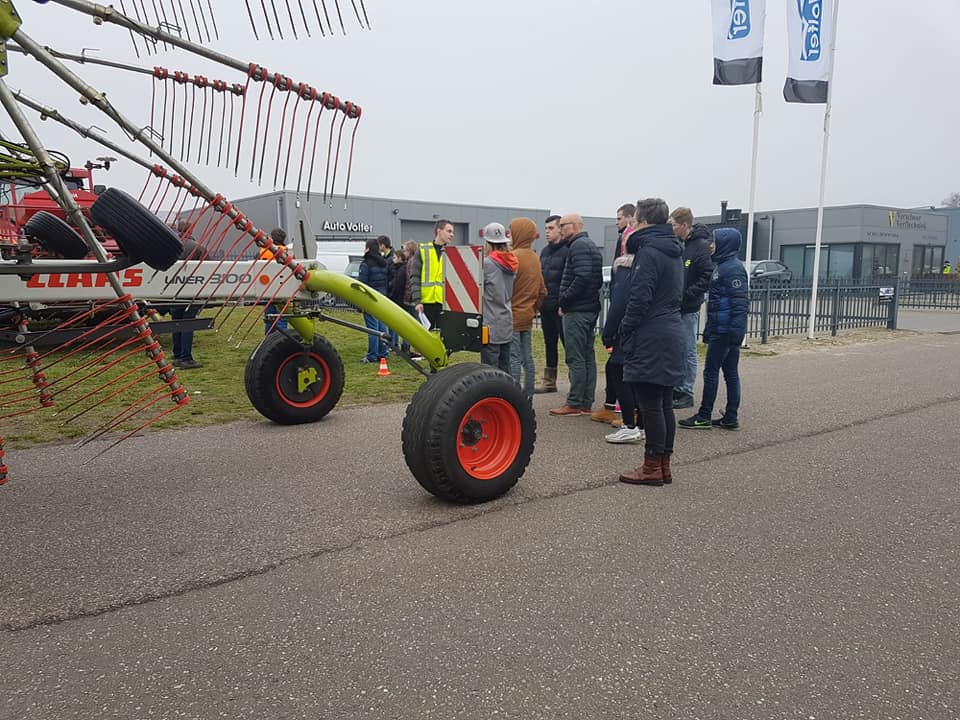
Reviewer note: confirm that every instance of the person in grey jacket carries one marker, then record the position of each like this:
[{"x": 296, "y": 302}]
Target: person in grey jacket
[{"x": 499, "y": 271}]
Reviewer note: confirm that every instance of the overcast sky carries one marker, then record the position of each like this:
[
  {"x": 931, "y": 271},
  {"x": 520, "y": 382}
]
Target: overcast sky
[{"x": 575, "y": 106}]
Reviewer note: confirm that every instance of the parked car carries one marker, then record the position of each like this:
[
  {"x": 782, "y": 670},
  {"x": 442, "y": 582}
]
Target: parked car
[{"x": 770, "y": 273}]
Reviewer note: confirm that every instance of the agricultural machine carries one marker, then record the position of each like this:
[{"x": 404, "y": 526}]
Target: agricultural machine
[{"x": 468, "y": 433}]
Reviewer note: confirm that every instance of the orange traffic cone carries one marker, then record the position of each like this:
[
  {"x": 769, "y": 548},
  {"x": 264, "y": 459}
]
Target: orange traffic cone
[{"x": 384, "y": 370}]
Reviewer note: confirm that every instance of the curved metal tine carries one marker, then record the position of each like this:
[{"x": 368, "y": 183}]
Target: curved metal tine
[
  {"x": 136, "y": 13},
  {"x": 203, "y": 17},
  {"x": 196, "y": 22},
  {"x": 306, "y": 25},
  {"x": 266, "y": 16},
  {"x": 233, "y": 105},
  {"x": 184, "y": 25},
  {"x": 193, "y": 105},
  {"x": 213, "y": 20},
  {"x": 367, "y": 19},
  {"x": 293, "y": 24},
  {"x": 276, "y": 18},
  {"x": 156, "y": 13},
  {"x": 336, "y": 4},
  {"x": 319, "y": 21},
  {"x": 326, "y": 14},
  {"x": 223, "y": 122},
  {"x": 203, "y": 122},
  {"x": 213, "y": 106},
  {"x": 356, "y": 11},
  {"x": 253, "y": 25},
  {"x": 183, "y": 138},
  {"x": 162, "y": 23},
  {"x": 123, "y": 9}
]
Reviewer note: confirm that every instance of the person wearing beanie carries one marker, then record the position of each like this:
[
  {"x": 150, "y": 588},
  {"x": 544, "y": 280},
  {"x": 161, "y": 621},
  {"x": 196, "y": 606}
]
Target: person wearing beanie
[
  {"x": 499, "y": 271},
  {"x": 529, "y": 292}
]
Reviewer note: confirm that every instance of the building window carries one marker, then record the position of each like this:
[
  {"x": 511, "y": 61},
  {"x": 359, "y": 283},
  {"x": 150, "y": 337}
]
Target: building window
[
  {"x": 845, "y": 263},
  {"x": 927, "y": 260}
]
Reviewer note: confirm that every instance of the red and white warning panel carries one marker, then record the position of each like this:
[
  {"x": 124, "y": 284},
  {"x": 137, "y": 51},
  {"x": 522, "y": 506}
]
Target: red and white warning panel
[{"x": 462, "y": 278}]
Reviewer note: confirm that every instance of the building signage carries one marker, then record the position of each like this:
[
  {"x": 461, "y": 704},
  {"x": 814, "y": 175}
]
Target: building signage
[
  {"x": 353, "y": 227},
  {"x": 907, "y": 220}
]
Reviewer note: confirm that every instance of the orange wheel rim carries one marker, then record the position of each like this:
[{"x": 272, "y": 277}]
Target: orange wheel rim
[
  {"x": 488, "y": 438},
  {"x": 288, "y": 381}
]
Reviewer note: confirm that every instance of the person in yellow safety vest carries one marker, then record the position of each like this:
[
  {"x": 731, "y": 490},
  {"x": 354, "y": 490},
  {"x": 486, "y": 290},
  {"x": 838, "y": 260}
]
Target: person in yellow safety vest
[
  {"x": 279, "y": 237},
  {"x": 947, "y": 270},
  {"x": 426, "y": 274}
]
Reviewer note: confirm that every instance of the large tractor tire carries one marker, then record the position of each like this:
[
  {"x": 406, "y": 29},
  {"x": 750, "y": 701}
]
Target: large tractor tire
[
  {"x": 139, "y": 233},
  {"x": 54, "y": 235},
  {"x": 292, "y": 383},
  {"x": 469, "y": 433}
]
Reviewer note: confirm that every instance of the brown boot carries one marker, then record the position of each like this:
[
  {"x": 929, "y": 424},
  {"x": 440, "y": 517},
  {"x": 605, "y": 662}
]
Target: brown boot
[
  {"x": 651, "y": 473},
  {"x": 549, "y": 384},
  {"x": 665, "y": 470},
  {"x": 605, "y": 415}
]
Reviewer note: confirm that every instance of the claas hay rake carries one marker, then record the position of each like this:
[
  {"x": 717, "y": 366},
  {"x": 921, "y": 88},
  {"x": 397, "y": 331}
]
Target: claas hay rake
[{"x": 468, "y": 433}]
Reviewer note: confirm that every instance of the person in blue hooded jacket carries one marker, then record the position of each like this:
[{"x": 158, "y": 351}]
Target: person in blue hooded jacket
[
  {"x": 727, "y": 306},
  {"x": 653, "y": 338},
  {"x": 373, "y": 273}
]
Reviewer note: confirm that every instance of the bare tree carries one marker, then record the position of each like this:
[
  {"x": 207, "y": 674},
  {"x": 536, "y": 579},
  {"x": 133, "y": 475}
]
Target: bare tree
[{"x": 952, "y": 200}]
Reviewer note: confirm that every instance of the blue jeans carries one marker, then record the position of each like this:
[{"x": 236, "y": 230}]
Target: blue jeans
[
  {"x": 183, "y": 341},
  {"x": 376, "y": 347},
  {"x": 722, "y": 353},
  {"x": 691, "y": 323},
  {"x": 521, "y": 359},
  {"x": 580, "y": 341},
  {"x": 272, "y": 309},
  {"x": 497, "y": 355}
]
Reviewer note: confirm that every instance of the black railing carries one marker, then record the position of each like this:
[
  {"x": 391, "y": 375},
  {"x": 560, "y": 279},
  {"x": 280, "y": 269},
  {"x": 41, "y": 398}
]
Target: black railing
[
  {"x": 786, "y": 310},
  {"x": 936, "y": 294}
]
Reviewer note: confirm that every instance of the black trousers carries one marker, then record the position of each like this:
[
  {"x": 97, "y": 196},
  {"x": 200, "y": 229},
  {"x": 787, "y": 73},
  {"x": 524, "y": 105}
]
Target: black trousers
[
  {"x": 432, "y": 311},
  {"x": 552, "y": 325},
  {"x": 624, "y": 394},
  {"x": 659, "y": 423}
]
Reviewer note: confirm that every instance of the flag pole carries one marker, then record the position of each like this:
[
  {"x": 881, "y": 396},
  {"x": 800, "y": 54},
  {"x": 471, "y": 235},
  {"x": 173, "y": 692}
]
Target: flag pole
[
  {"x": 823, "y": 173},
  {"x": 757, "y": 110}
]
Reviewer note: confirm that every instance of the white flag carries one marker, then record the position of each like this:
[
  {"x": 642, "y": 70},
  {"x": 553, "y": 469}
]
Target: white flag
[
  {"x": 738, "y": 41},
  {"x": 809, "y": 31}
]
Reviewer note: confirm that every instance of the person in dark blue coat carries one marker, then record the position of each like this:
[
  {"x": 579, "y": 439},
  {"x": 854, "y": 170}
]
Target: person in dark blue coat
[
  {"x": 727, "y": 307},
  {"x": 373, "y": 272},
  {"x": 653, "y": 337}
]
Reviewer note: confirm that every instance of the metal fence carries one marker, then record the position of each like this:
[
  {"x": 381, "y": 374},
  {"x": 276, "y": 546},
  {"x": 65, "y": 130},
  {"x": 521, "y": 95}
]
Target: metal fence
[
  {"x": 786, "y": 311},
  {"x": 937, "y": 294}
]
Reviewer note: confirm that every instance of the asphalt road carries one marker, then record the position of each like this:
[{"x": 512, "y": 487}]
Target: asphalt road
[{"x": 805, "y": 567}]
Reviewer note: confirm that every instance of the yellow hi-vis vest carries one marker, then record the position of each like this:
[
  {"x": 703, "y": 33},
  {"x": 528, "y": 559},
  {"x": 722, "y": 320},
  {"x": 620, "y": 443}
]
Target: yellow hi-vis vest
[
  {"x": 947, "y": 270},
  {"x": 431, "y": 275}
]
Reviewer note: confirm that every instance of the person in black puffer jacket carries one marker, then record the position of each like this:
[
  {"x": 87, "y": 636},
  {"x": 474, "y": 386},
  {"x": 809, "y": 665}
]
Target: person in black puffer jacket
[
  {"x": 579, "y": 307},
  {"x": 652, "y": 337},
  {"x": 697, "y": 268},
  {"x": 373, "y": 272},
  {"x": 552, "y": 259},
  {"x": 727, "y": 308}
]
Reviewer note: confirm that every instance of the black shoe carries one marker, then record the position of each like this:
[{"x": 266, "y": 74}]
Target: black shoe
[
  {"x": 721, "y": 423},
  {"x": 695, "y": 423},
  {"x": 682, "y": 400}
]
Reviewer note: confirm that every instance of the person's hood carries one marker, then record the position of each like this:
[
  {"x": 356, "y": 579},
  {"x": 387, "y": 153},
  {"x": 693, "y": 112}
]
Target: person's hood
[
  {"x": 506, "y": 260},
  {"x": 633, "y": 242},
  {"x": 728, "y": 242},
  {"x": 376, "y": 258},
  {"x": 660, "y": 238},
  {"x": 523, "y": 231},
  {"x": 699, "y": 232}
]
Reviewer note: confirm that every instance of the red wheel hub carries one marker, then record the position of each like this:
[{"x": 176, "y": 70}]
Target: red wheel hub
[{"x": 488, "y": 438}]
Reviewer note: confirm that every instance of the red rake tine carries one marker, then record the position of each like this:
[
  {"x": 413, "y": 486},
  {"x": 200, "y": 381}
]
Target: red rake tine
[
  {"x": 283, "y": 121},
  {"x": 256, "y": 131},
  {"x": 277, "y": 81},
  {"x": 193, "y": 107},
  {"x": 306, "y": 137},
  {"x": 353, "y": 138},
  {"x": 203, "y": 115},
  {"x": 336, "y": 160},
  {"x": 326, "y": 175},
  {"x": 213, "y": 103},
  {"x": 243, "y": 107},
  {"x": 302, "y": 93}
]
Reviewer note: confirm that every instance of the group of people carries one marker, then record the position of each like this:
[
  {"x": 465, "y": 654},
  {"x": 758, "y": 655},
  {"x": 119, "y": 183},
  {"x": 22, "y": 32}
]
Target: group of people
[
  {"x": 387, "y": 271},
  {"x": 664, "y": 266}
]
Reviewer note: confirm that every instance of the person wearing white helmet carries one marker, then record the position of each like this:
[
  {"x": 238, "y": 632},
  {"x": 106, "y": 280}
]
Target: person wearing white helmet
[{"x": 499, "y": 272}]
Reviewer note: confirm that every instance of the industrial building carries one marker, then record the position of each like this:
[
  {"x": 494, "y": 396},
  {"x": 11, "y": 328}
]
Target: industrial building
[{"x": 864, "y": 243}]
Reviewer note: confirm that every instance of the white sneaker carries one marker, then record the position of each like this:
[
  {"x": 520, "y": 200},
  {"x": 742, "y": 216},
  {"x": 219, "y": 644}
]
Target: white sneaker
[{"x": 625, "y": 435}]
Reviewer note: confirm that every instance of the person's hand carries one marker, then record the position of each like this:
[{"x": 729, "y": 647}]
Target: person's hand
[
  {"x": 420, "y": 308},
  {"x": 560, "y": 312}
]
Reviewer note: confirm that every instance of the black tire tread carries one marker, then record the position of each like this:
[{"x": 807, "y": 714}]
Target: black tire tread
[
  {"x": 260, "y": 372},
  {"x": 139, "y": 233},
  {"x": 55, "y": 235}
]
